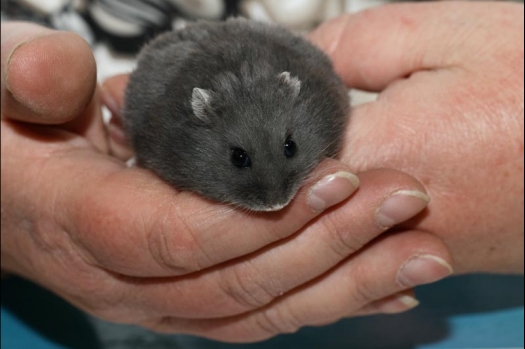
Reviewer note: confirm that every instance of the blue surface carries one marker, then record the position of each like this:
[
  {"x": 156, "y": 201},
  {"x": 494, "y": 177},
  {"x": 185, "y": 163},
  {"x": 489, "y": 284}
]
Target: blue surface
[{"x": 464, "y": 312}]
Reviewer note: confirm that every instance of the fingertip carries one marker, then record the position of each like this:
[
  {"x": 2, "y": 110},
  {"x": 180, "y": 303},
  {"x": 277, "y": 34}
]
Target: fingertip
[
  {"x": 372, "y": 48},
  {"x": 118, "y": 139},
  {"x": 400, "y": 207},
  {"x": 421, "y": 258},
  {"x": 328, "y": 35},
  {"x": 331, "y": 190},
  {"x": 113, "y": 91},
  {"x": 112, "y": 96},
  {"x": 330, "y": 184},
  {"x": 48, "y": 79},
  {"x": 395, "y": 304},
  {"x": 422, "y": 269}
]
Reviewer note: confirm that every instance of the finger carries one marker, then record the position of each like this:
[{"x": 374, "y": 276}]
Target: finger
[
  {"x": 90, "y": 124},
  {"x": 395, "y": 263},
  {"x": 48, "y": 77},
  {"x": 384, "y": 199},
  {"x": 113, "y": 90},
  {"x": 131, "y": 222},
  {"x": 373, "y": 48},
  {"x": 398, "y": 303}
]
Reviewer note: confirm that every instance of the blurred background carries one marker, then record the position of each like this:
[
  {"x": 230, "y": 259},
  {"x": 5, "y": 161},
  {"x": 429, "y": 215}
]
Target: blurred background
[
  {"x": 479, "y": 311},
  {"x": 117, "y": 29}
]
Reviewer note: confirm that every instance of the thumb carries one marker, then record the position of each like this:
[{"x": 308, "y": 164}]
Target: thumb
[
  {"x": 48, "y": 76},
  {"x": 373, "y": 48}
]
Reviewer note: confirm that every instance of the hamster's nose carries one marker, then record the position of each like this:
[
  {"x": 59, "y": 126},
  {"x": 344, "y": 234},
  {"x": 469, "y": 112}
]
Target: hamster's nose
[{"x": 269, "y": 197}]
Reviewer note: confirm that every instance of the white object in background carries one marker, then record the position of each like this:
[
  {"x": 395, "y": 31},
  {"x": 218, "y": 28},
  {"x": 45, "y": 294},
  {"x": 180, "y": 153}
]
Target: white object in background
[
  {"x": 255, "y": 10},
  {"x": 70, "y": 20},
  {"x": 333, "y": 8},
  {"x": 79, "y": 5},
  {"x": 109, "y": 63},
  {"x": 295, "y": 14},
  {"x": 45, "y": 7},
  {"x": 298, "y": 14},
  {"x": 113, "y": 24},
  {"x": 209, "y": 9},
  {"x": 358, "y": 5},
  {"x": 62, "y": 15}
]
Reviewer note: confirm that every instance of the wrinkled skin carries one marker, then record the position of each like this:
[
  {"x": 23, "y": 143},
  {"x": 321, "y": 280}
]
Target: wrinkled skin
[
  {"x": 121, "y": 244},
  {"x": 450, "y": 112},
  {"x": 124, "y": 246}
]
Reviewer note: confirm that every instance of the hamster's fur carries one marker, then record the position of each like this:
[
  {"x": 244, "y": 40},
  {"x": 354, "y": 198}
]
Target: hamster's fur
[{"x": 238, "y": 111}]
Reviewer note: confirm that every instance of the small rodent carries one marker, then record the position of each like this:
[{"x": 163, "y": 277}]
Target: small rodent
[{"x": 238, "y": 111}]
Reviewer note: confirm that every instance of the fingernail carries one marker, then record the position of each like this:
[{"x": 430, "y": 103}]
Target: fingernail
[
  {"x": 40, "y": 85},
  {"x": 8, "y": 62},
  {"x": 408, "y": 301},
  {"x": 398, "y": 305},
  {"x": 331, "y": 190},
  {"x": 400, "y": 206},
  {"x": 423, "y": 269}
]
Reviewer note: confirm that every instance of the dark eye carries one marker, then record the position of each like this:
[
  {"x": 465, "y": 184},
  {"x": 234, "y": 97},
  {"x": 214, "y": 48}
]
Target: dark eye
[
  {"x": 240, "y": 158},
  {"x": 290, "y": 148}
]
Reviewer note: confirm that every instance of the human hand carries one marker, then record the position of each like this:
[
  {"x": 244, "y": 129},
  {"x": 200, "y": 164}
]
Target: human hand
[
  {"x": 449, "y": 112},
  {"x": 122, "y": 245}
]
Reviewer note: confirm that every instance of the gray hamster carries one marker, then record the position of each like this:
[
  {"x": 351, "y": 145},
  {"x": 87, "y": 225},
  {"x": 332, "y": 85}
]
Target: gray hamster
[{"x": 238, "y": 111}]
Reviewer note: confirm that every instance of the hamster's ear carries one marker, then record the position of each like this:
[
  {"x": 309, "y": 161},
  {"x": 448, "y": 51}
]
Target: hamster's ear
[
  {"x": 201, "y": 104},
  {"x": 293, "y": 82}
]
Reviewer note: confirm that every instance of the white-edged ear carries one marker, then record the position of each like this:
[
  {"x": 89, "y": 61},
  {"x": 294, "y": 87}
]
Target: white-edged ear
[
  {"x": 201, "y": 104},
  {"x": 293, "y": 82}
]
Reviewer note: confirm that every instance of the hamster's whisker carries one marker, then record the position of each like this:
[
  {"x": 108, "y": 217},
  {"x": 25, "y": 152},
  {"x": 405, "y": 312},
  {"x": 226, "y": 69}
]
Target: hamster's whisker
[{"x": 325, "y": 148}]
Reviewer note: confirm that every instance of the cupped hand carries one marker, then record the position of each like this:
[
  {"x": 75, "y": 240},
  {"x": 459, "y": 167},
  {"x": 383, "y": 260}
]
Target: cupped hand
[
  {"x": 449, "y": 112},
  {"x": 123, "y": 245}
]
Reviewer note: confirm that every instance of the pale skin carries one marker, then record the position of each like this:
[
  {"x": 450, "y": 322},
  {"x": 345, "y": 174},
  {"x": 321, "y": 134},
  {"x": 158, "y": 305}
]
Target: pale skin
[
  {"x": 450, "y": 113},
  {"x": 121, "y": 244},
  {"x": 124, "y": 246}
]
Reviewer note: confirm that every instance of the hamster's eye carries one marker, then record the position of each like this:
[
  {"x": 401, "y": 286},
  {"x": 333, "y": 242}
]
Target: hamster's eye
[
  {"x": 290, "y": 148},
  {"x": 240, "y": 158}
]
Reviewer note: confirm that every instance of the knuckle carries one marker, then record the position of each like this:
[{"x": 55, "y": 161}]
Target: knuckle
[
  {"x": 175, "y": 248},
  {"x": 277, "y": 320},
  {"x": 341, "y": 241},
  {"x": 240, "y": 284},
  {"x": 364, "y": 292}
]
